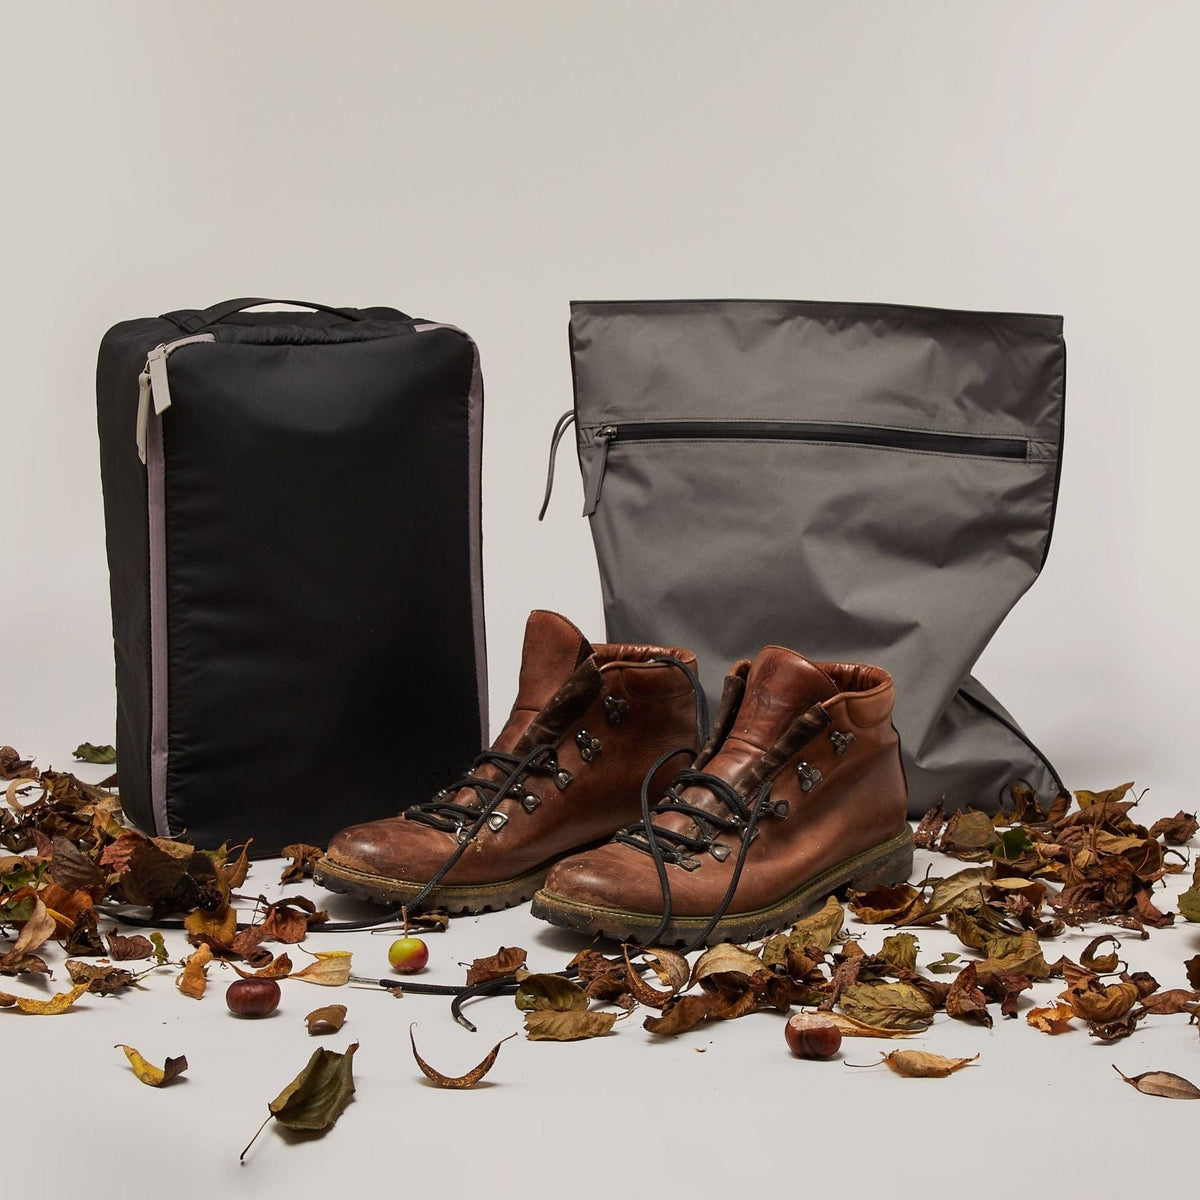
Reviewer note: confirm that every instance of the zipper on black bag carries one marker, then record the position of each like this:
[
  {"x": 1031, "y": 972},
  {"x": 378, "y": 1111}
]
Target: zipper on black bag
[{"x": 1008, "y": 449}]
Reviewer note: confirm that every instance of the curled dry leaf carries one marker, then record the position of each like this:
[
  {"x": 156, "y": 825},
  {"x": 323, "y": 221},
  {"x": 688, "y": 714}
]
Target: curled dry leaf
[
  {"x": 217, "y": 927},
  {"x": 671, "y": 967},
  {"x": 278, "y": 968},
  {"x": 315, "y": 1099},
  {"x": 89, "y": 753},
  {"x": 471, "y": 1078},
  {"x": 1161, "y": 1083},
  {"x": 148, "y": 1073},
  {"x": 1104, "y": 963},
  {"x": 101, "y": 980},
  {"x": 40, "y": 926},
  {"x": 901, "y": 951},
  {"x": 126, "y": 949},
  {"x": 328, "y": 1019},
  {"x": 919, "y": 1064},
  {"x": 821, "y": 928},
  {"x": 301, "y": 857},
  {"x": 44, "y": 1008},
  {"x": 884, "y": 905},
  {"x": 724, "y": 959},
  {"x": 553, "y": 993},
  {"x": 574, "y": 1026},
  {"x": 288, "y": 920},
  {"x": 506, "y": 961},
  {"x": 1095, "y": 1002},
  {"x": 683, "y": 1013},
  {"x": 329, "y": 968},
  {"x": 966, "y": 1001},
  {"x": 1052, "y": 1019},
  {"x": 193, "y": 979}
]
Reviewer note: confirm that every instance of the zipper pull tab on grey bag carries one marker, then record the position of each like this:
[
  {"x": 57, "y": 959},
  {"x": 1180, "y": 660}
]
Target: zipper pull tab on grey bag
[
  {"x": 591, "y": 498},
  {"x": 559, "y": 429}
]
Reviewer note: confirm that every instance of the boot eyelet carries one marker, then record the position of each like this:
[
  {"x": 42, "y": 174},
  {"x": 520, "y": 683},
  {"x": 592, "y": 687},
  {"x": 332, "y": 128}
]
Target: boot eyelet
[
  {"x": 841, "y": 739},
  {"x": 615, "y": 709},
  {"x": 781, "y": 808},
  {"x": 562, "y": 777},
  {"x": 589, "y": 747},
  {"x": 461, "y": 834},
  {"x": 719, "y": 851},
  {"x": 529, "y": 801},
  {"x": 497, "y": 821},
  {"x": 810, "y": 776},
  {"x": 688, "y": 864}
]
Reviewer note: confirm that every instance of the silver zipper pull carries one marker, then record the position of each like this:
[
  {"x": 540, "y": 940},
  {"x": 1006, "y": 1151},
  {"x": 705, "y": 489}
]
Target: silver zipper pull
[
  {"x": 160, "y": 389},
  {"x": 143, "y": 412},
  {"x": 604, "y": 437}
]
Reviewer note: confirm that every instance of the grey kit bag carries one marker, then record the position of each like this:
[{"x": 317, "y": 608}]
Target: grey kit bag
[{"x": 860, "y": 482}]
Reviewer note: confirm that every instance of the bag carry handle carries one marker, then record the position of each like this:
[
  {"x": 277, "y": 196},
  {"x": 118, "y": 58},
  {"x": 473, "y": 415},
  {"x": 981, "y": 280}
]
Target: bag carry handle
[{"x": 218, "y": 312}]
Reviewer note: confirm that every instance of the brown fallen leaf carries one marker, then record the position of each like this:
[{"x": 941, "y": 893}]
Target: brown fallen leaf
[
  {"x": 101, "y": 980},
  {"x": 193, "y": 979},
  {"x": 671, "y": 968},
  {"x": 1095, "y": 1002},
  {"x": 887, "y": 1005},
  {"x": 1100, "y": 964},
  {"x": 966, "y": 1001},
  {"x": 901, "y": 951},
  {"x": 44, "y": 1008},
  {"x": 288, "y": 920},
  {"x": 919, "y": 1064},
  {"x": 217, "y": 927},
  {"x": 315, "y": 1099},
  {"x": 328, "y": 1019},
  {"x": 471, "y": 1078},
  {"x": 277, "y": 968},
  {"x": 1161, "y": 1083},
  {"x": 506, "y": 961},
  {"x": 573, "y": 1026},
  {"x": 724, "y": 959},
  {"x": 148, "y": 1073},
  {"x": 125, "y": 949},
  {"x": 37, "y": 929},
  {"x": 851, "y": 1028},
  {"x": 683, "y": 1013},
  {"x": 329, "y": 968},
  {"x": 550, "y": 992},
  {"x": 1053, "y": 1019},
  {"x": 821, "y": 928},
  {"x": 301, "y": 856}
]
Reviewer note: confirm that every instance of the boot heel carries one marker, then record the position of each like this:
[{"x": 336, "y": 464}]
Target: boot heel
[{"x": 893, "y": 865}]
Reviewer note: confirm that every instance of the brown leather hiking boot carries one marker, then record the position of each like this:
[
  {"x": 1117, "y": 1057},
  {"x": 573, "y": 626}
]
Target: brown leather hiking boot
[
  {"x": 798, "y": 792},
  {"x": 564, "y": 773}
]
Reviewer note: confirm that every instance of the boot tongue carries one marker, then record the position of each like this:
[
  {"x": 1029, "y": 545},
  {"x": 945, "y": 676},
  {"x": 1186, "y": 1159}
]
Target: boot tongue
[
  {"x": 780, "y": 686},
  {"x": 553, "y": 649}
]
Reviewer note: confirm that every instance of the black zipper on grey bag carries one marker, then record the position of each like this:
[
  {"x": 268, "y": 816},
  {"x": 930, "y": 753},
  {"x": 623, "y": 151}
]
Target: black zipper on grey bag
[{"x": 975, "y": 445}]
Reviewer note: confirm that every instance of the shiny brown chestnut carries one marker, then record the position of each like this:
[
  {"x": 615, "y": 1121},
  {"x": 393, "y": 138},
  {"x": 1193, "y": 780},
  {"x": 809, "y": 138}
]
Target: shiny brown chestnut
[
  {"x": 252, "y": 997},
  {"x": 810, "y": 1035}
]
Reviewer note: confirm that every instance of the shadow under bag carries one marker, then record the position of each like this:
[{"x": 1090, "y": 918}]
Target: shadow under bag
[
  {"x": 868, "y": 483},
  {"x": 292, "y": 513}
]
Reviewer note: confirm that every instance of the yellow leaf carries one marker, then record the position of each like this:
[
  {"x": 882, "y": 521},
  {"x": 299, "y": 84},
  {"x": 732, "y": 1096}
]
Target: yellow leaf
[
  {"x": 216, "y": 927},
  {"x": 193, "y": 979},
  {"x": 1055, "y": 1019},
  {"x": 148, "y": 1073},
  {"x": 919, "y": 1064},
  {"x": 44, "y": 1008},
  {"x": 330, "y": 968}
]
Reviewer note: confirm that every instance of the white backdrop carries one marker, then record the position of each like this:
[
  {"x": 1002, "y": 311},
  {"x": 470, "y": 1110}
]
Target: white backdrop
[{"x": 485, "y": 163}]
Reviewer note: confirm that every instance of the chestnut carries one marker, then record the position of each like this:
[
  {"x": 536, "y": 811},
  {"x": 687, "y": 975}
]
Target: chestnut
[
  {"x": 811, "y": 1035},
  {"x": 252, "y": 997}
]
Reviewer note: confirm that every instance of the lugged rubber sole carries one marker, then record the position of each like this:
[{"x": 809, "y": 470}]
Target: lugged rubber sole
[
  {"x": 455, "y": 899},
  {"x": 889, "y": 862}
]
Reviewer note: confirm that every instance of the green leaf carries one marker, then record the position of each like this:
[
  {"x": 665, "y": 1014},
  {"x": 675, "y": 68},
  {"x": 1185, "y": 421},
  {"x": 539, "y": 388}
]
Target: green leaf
[
  {"x": 315, "y": 1099},
  {"x": 160, "y": 948},
  {"x": 945, "y": 964},
  {"x": 1013, "y": 843},
  {"x": 553, "y": 993},
  {"x": 88, "y": 753}
]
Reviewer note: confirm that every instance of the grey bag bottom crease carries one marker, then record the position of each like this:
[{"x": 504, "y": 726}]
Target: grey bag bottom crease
[{"x": 863, "y": 483}]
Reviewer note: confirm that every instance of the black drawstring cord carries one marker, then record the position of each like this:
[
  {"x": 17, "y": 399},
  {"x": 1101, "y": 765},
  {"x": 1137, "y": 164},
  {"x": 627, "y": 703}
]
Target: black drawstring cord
[{"x": 559, "y": 429}]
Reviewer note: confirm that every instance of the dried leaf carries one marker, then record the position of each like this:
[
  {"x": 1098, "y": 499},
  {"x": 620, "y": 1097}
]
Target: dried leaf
[
  {"x": 574, "y": 1026},
  {"x": 506, "y": 961},
  {"x": 217, "y": 928},
  {"x": 945, "y": 964},
  {"x": 963, "y": 889},
  {"x": 101, "y": 980},
  {"x": 965, "y": 1001},
  {"x": 1023, "y": 958},
  {"x": 125, "y": 949},
  {"x": 1106, "y": 962},
  {"x": 84, "y": 939},
  {"x": 1172, "y": 1001},
  {"x": 88, "y": 753},
  {"x": 1161, "y": 1083},
  {"x": 901, "y": 951},
  {"x": 328, "y": 1019},
  {"x": 301, "y": 856},
  {"x": 315, "y": 1099},
  {"x": 40, "y": 926},
  {"x": 44, "y": 1008},
  {"x": 279, "y": 968},
  {"x": 725, "y": 959},
  {"x": 669, "y": 965},
  {"x": 1095, "y": 1002},
  {"x": 12, "y": 765},
  {"x": 472, "y": 1077},
  {"x": 821, "y": 928},
  {"x": 329, "y": 968},
  {"x": 682, "y": 1014},
  {"x": 73, "y": 870},
  {"x": 896, "y": 905},
  {"x": 288, "y": 920},
  {"x": 1053, "y": 1019},
  {"x": 193, "y": 979},
  {"x": 887, "y": 1005},
  {"x": 148, "y": 1073},
  {"x": 852, "y": 1028},
  {"x": 919, "y": 1064},
  {"x": 536, "y": 993},
  {"x": 645, "y": 993},
  {"x": 160, "y": 948}
]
